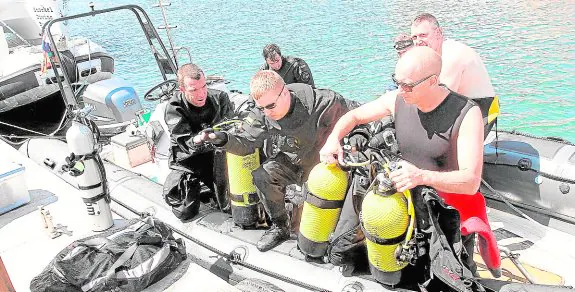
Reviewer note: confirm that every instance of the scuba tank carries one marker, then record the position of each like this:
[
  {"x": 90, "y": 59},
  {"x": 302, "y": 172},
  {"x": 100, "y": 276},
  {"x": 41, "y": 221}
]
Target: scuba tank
[
  {"x": 86, "y": 166},
  {"x": 326, "y": 189},
  {"x": 244, "y": 200},
  {"x": 385, "y": 218}
]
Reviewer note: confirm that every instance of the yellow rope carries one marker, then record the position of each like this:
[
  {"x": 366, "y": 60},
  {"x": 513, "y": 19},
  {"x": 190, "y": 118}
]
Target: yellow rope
[{"x": 218, "y": 126}]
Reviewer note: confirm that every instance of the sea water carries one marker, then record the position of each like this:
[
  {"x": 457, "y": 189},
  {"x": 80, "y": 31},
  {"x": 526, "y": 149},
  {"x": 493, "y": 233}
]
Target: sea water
[{"x": 527, "y": 46}]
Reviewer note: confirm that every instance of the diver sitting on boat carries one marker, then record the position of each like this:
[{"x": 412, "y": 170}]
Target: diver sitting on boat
[
  {"x": 439, "y": 133},
  {"x": 190, "y": 110},
  {"x": 291, "y": 69},
  {"x": 292, "y": 121}
]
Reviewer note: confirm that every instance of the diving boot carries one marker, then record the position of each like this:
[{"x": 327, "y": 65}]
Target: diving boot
[{"x": 278, "y": 233}]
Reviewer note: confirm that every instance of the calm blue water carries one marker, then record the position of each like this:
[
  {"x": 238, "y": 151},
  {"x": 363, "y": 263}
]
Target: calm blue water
[{"x": 527, "y": 45}]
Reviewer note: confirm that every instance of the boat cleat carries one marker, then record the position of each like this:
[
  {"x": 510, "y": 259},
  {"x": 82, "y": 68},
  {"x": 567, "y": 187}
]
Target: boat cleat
[{"x": 47, "y": 222}]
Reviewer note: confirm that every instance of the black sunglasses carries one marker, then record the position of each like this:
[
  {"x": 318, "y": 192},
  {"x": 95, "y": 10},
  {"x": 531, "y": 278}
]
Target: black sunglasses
[
  {"x": 408, "y": 87},
  {"x": 272, "y": 105}
]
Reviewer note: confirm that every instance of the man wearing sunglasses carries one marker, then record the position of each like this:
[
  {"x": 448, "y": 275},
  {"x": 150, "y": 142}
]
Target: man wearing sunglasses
[
  {"x": 293, "y": 122},
  {"x": 439, "y": 132},
  {"x": 402, "y": 43},
  {"x": 191, "y": 109},
  {"x": 291, "y": 69}
]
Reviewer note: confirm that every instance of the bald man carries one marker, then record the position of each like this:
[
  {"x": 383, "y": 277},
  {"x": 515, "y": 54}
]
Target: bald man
[{"x": 439, "y": 132}]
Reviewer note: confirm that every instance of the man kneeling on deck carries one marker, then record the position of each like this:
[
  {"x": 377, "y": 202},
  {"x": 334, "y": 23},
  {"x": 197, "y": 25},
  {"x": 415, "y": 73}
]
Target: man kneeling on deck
[
  {"x": 293, "y": 120},
  {"x": 439, "y": 132},
  {"x": 190, "y": 110}
]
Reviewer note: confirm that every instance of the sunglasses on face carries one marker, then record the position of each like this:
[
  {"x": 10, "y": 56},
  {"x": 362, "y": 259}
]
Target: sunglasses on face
[
  {"x": 408, "y": 87},
  {"x": 272, "y": 105}
]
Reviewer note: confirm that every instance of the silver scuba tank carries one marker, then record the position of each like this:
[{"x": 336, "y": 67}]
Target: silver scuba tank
[{"x": 85, "y": 166}]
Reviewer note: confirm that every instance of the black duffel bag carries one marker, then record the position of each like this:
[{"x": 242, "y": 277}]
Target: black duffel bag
[{"x": 129, "y": 258}]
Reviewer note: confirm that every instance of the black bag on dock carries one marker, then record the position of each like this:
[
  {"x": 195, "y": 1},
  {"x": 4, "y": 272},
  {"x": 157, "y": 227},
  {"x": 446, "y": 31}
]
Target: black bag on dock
[{"x": 129, "y": 258}]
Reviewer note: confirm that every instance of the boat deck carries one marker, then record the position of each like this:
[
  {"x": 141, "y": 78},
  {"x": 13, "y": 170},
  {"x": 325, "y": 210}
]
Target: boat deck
[
  {"x": 26, "y": 248},
  {"x": 547, "y": 254}
]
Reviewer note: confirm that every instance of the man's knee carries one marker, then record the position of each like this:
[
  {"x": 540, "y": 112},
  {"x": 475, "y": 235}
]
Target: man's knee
[{"x": 261, "y": 177}]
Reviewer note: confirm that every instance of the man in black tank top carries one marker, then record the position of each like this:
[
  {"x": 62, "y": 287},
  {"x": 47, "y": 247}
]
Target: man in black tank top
[{"x": 439, "y": 133}]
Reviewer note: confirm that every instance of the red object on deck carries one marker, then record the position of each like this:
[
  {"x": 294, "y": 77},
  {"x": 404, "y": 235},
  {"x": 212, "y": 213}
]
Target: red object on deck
[
  {"x": 473, "y": 213},
  {"x": 5, "y": 283}
]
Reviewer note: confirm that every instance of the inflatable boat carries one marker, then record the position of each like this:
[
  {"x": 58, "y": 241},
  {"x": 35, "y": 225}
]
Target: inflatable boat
[
  {"x": 524, "y": 174},
  {"x": 533, "y": 250}
]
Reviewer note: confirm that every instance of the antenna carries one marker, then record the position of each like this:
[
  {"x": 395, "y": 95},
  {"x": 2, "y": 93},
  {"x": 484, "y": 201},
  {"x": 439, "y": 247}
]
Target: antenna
[{"x": 167, "y": 27}]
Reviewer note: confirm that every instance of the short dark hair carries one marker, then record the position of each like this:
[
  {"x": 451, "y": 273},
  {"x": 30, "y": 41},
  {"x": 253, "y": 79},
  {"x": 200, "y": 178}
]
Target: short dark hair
[
  {"x": 189, "y": 70},
  {"x": 270, "y": 50},
  {"x": 425, "y": 17}
]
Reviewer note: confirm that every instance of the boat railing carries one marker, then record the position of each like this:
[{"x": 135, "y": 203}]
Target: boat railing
[{"x": 166, "y": 64}]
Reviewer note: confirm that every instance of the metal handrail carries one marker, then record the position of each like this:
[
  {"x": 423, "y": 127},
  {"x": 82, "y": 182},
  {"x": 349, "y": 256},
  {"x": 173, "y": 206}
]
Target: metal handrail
[{"x": 145, "y": 22}]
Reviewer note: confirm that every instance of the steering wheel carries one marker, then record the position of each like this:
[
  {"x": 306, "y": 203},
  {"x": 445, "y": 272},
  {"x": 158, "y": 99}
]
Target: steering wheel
[{"x": 161, "y": 91}]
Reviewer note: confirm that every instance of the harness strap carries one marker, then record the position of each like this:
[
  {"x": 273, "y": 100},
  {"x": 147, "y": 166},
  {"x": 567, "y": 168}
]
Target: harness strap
[
  {"x": 383, "y": 241},
  {"x": 249, "y": 198},
  {"x": 323, "y": 203}
]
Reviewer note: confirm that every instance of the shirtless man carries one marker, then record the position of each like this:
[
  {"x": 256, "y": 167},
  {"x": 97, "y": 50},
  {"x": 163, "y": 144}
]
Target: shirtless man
[{"x": 462, "y": 69}]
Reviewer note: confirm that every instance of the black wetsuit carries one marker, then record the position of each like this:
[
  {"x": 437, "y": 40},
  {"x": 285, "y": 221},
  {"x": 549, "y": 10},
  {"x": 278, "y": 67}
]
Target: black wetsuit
[
  {"x": 292, "y": 143},
  {"x": 293, "y": 70},
  {"x": 428, "y": 140},
  {"x": 191, "y": 163}
]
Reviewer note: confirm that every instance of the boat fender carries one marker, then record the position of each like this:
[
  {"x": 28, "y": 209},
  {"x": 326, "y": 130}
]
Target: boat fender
[{"x": 326, "y": 189}]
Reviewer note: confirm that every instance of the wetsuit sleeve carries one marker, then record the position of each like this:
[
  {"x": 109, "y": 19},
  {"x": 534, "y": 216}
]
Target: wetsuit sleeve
[
  {"x": 178, "y": 125},
  {"x": 303, "y": 73},
  {"x": 249, "y": 136},
  {"x": 226, "y": 107},
  {"x": 337, "y": 107}
]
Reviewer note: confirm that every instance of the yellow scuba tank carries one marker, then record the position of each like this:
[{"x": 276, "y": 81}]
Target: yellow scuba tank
[
  {"x": 384, "y": 222},
  {"x": 244, "y": 200},
  {"x": 326, "y": 189}
]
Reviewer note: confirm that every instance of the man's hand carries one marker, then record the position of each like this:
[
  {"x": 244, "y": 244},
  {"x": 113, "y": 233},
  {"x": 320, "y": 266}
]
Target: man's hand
[
  {"x": 210, "y": 136},
  {"x": 358, "y": 142},
  {"x": 331, "y": 152},
  {"x": 406, "y": 176}
]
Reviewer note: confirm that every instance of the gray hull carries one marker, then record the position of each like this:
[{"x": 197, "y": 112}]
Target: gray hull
[
  {"x": 133, "y": 192},
  {"x": 537, "y": 175}
]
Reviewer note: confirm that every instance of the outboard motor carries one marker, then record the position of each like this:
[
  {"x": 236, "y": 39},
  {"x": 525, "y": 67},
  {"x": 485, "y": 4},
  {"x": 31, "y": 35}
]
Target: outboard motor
[
  {"x": 326, "y": 189},
  {"x": 114, "y": 102},
  {"x": 245, "y": 203},
  {"x": 85, "y": 164},
  {"x": 384, "y": 221}
]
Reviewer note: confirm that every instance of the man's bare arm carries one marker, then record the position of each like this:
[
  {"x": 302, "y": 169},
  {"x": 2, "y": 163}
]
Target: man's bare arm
[{"x": 467, "y": 179}]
